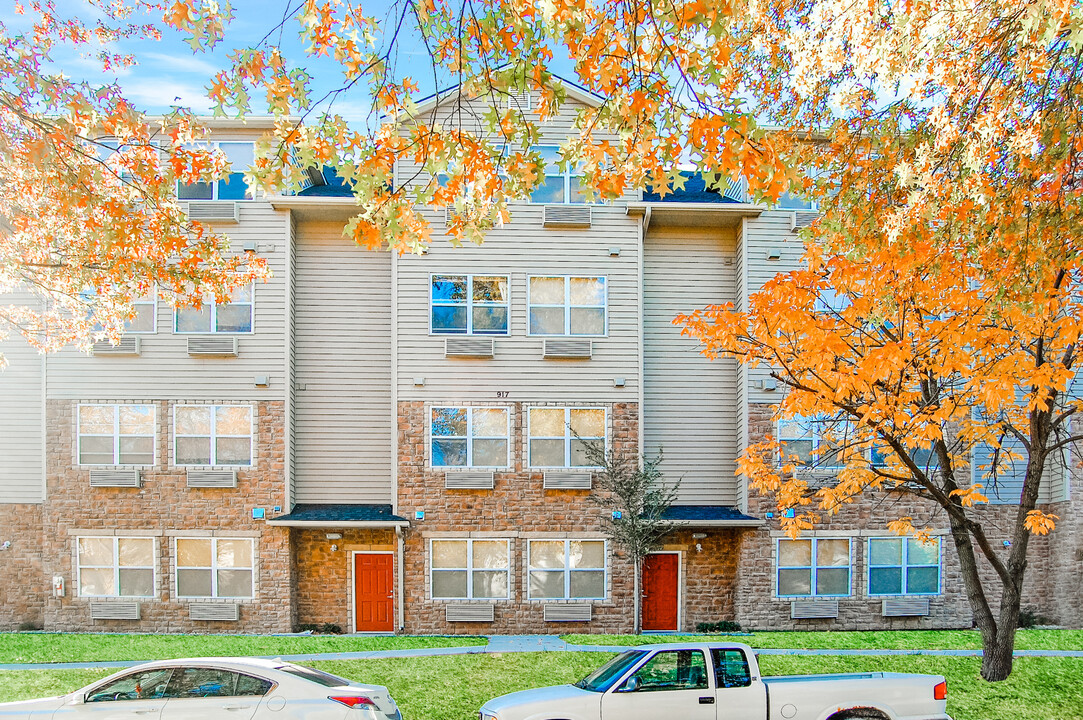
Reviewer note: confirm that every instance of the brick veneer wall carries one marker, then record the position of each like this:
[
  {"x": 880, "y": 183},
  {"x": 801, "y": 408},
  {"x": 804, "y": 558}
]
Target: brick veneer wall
[
  {"x": 517, "y": 508},
  {"x": 325, "y": 576},
  {"x": 165, "y": 508},
  {"x": 22, "y": 584},
  {"x": 757, "y": 608},
  {"x": 709, "y": 573}
]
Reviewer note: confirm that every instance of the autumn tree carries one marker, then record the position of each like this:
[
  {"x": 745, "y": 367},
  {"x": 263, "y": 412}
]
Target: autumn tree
[
  {"x": 942, "y": 143},
  {"x": 89, "y": 219}
]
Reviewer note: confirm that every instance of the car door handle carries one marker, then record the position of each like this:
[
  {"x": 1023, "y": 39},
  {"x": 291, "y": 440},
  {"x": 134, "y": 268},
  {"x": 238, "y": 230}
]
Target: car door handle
[
  {"x": 233, "y": 707},
  {"x": 706, "y": 700},
  {"x": 144, "y": 712}
]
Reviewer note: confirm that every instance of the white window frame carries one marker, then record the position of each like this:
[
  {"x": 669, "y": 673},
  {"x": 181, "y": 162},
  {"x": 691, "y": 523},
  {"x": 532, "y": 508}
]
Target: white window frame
[
  {"x": 212, "y": 308},
  {"x": 469, "y": 304},
  {"x": 568, "y": 437},
  {"x": 213, "y": 568},
  {"x": 567, "y": 571},
  {"x": 470, "y": 437},
  {"x": 567, "y": 305},
  {"x": 572, "y": 170},
  {"x": 116, "y": 566},
  {"x": 469, "y": 569},
  {"x": 214, "y": 436},
  {"x": 904, "y": 567},
  {"x": 814, "y": 568},
  {"x": 217, "y": 145},
  {"x": 153, "y": 303},
  {"x": 816, "y": 436},
  {"x": 116, "y": 435}
]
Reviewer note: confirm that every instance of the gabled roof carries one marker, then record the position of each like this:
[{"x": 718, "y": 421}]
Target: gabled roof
[{"x": 572, "y": 88}]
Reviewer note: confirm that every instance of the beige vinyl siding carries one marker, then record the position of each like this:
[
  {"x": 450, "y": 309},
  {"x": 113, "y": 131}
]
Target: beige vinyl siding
[
  {"x": 520, "y": 250},
  {"x": 741, "y": 302},
  {"x": 21, "y": 423},
  {"x": 165, "y": 371},
  {"x": 343, "y": 414},
  {"x": 769, "y": 232},
  {"x": 690, "y": 402}
]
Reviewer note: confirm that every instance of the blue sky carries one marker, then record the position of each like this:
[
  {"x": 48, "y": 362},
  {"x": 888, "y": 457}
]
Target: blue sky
[{"x": 169, "y": 73}]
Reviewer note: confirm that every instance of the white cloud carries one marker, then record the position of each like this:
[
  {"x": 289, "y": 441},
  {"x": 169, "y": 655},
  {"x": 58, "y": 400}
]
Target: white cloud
[{"x": 162, "y": 93}]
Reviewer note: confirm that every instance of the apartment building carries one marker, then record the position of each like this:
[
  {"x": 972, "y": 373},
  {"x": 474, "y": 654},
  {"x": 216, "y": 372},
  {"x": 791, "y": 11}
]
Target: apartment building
[{"x": 394, "y": 443}]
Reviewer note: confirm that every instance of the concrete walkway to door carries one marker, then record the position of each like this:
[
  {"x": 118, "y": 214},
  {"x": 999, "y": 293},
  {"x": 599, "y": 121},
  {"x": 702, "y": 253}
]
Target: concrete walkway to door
[{"x": 542, "y": 643}]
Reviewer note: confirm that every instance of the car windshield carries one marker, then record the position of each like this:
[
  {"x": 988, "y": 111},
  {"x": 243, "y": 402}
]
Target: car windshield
[
  {"x": 316, "y": 676},
  {"x": 603, "y": 678}
]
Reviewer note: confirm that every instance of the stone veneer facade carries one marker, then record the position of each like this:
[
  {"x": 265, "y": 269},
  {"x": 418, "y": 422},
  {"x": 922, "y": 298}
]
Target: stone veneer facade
[
  {"x": 517, "y": 508},
  {"x": 758, "y": 608},
  {"x": 164, "y": 508},
  {"x": 23, "y": 585}
]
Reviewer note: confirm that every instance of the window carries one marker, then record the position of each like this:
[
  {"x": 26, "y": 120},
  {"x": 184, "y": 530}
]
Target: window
[
  {"x": 115, "y": 566},
  {"x": 567, "y": 306},
  {"x": 670, "y": 670},
  {"x": 558, "y": 437},
  {"x": 469, "y": 569},
  {"x": 469, "y": 437},
  {"x": 469, "y": 304},
  {"x": 823, "y": 443},
  {"x": 143, "y": 685},
  {"x": 201, "y": 682},
  {"x": 146, "y": 313},
  {"x": 116, "y": 434},
  {"x": 234, "y": 316},
  {"x": 813, "y": 568},
  {"x": 232, "y": 187},
  {"x": 559, "y": 186},
  {"x": 567, "y": 569},
  {"x": 212, "y": 435},
  {"x": 904, "y": 566},
  {"x": 215, "y": 567},
  {"x": 730, "y": 668}
]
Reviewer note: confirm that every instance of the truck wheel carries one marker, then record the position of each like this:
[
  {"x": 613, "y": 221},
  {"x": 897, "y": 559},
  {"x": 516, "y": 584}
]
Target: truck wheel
[{"x": 859, "y": 714}]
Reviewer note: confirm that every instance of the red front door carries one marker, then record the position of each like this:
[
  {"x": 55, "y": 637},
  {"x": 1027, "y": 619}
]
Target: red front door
[
  {"x": 660, "y": 580},
  {"x": 374, "y": 596}
]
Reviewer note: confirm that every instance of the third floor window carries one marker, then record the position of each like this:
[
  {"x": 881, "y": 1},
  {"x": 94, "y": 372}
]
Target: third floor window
[
  {"x": 469, "y": 304},
  {"x": 234, "y": 316},
  {"x": 232, "y": 186},
  {"x": 567, "y": 306}
]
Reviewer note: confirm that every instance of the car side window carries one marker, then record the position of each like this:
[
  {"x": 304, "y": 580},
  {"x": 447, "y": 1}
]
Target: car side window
[
  {"x": 248, "y": 685},
  {"x": 143, "y": 685},
  {"x": 200, "y": 682},
  {"x": 730, "y": 668},
  {"x": 670, "y": 670}
]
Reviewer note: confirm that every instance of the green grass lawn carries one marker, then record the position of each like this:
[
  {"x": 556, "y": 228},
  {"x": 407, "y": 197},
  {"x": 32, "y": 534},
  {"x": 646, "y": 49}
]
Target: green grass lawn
[
  {"x": 62, "y": 647},
  {"x": 452, "y": 688},
  {"x": 888, "y": 640}
]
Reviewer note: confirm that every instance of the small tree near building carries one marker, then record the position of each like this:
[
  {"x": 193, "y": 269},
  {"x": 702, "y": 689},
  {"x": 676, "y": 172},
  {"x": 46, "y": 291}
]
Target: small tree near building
[{"x": 637, "y": 495}]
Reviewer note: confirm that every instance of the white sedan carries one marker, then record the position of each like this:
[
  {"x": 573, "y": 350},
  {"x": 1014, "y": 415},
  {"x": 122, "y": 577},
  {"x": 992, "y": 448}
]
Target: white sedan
[{"x": 214, "y": 689}]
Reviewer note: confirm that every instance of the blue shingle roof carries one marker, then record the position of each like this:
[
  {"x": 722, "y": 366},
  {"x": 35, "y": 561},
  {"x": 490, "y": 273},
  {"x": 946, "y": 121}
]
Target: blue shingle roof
[
  {"x": 695, "y": 190},
  {"x": 706, "y": 513},
  {"x": 340, "y": 513}
]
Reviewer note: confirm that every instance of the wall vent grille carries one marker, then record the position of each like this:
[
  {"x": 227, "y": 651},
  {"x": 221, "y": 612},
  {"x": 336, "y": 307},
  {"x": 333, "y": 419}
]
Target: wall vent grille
[
  {"x": 565, "y": 480},
  {"x": 577, "y": 348},
  {"x": 211, "y": 345},
  {"x": 212, "y": 478},
  {"x": 468, "y": 347},
  {"x": 480, "y": 612},
  {"x": 812, "y": 609},
  {"x": 567, "y": 613},
  {"x": 566, "y": 216},
  {"x": 114, "y": 611},
  {"x": 905, "y": 607},
  {"x": 214, "y": 612},
  {"x": 128, "y": 345},
  {"x": 213, "y": 211},
  {"x": 114, "y": 478},
  {"x": 468, "y": 480}
]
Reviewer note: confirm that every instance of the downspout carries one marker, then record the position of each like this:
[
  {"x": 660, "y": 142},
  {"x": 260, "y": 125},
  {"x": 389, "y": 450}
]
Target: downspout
[{"x": 400, "y": 608}]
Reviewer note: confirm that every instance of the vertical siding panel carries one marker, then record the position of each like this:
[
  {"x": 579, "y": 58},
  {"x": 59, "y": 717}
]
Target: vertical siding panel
[
  {"x": 689, "y": 400},
  {"x": 21, "y": 422},
  {"x": 343, "y": 367}
]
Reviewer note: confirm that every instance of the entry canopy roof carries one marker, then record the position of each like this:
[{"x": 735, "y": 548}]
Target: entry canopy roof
[
  {"x": 709, "y": 516},
  {"x": 340, "y": 516}
]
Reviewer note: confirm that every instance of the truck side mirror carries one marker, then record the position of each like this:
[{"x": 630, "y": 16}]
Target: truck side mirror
[{"x": 630, "y": 685}]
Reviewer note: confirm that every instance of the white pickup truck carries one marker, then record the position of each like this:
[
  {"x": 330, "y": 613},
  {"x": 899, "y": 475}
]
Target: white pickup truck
[{"x": 721, "y": 681}]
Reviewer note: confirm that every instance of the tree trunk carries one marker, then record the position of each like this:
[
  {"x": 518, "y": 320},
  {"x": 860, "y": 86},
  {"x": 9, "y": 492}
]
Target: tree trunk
[
  {"x": 635, "y": 593},
  {"x": 996, "y": 659}
]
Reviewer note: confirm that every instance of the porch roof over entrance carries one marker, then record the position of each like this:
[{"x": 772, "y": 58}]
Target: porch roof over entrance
[
  {"x": 340, "y": 516},
  {"x": 709, "y": 516}
]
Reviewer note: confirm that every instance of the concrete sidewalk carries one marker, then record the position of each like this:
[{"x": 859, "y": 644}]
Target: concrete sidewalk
[{"x": 545, "y": 643}]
